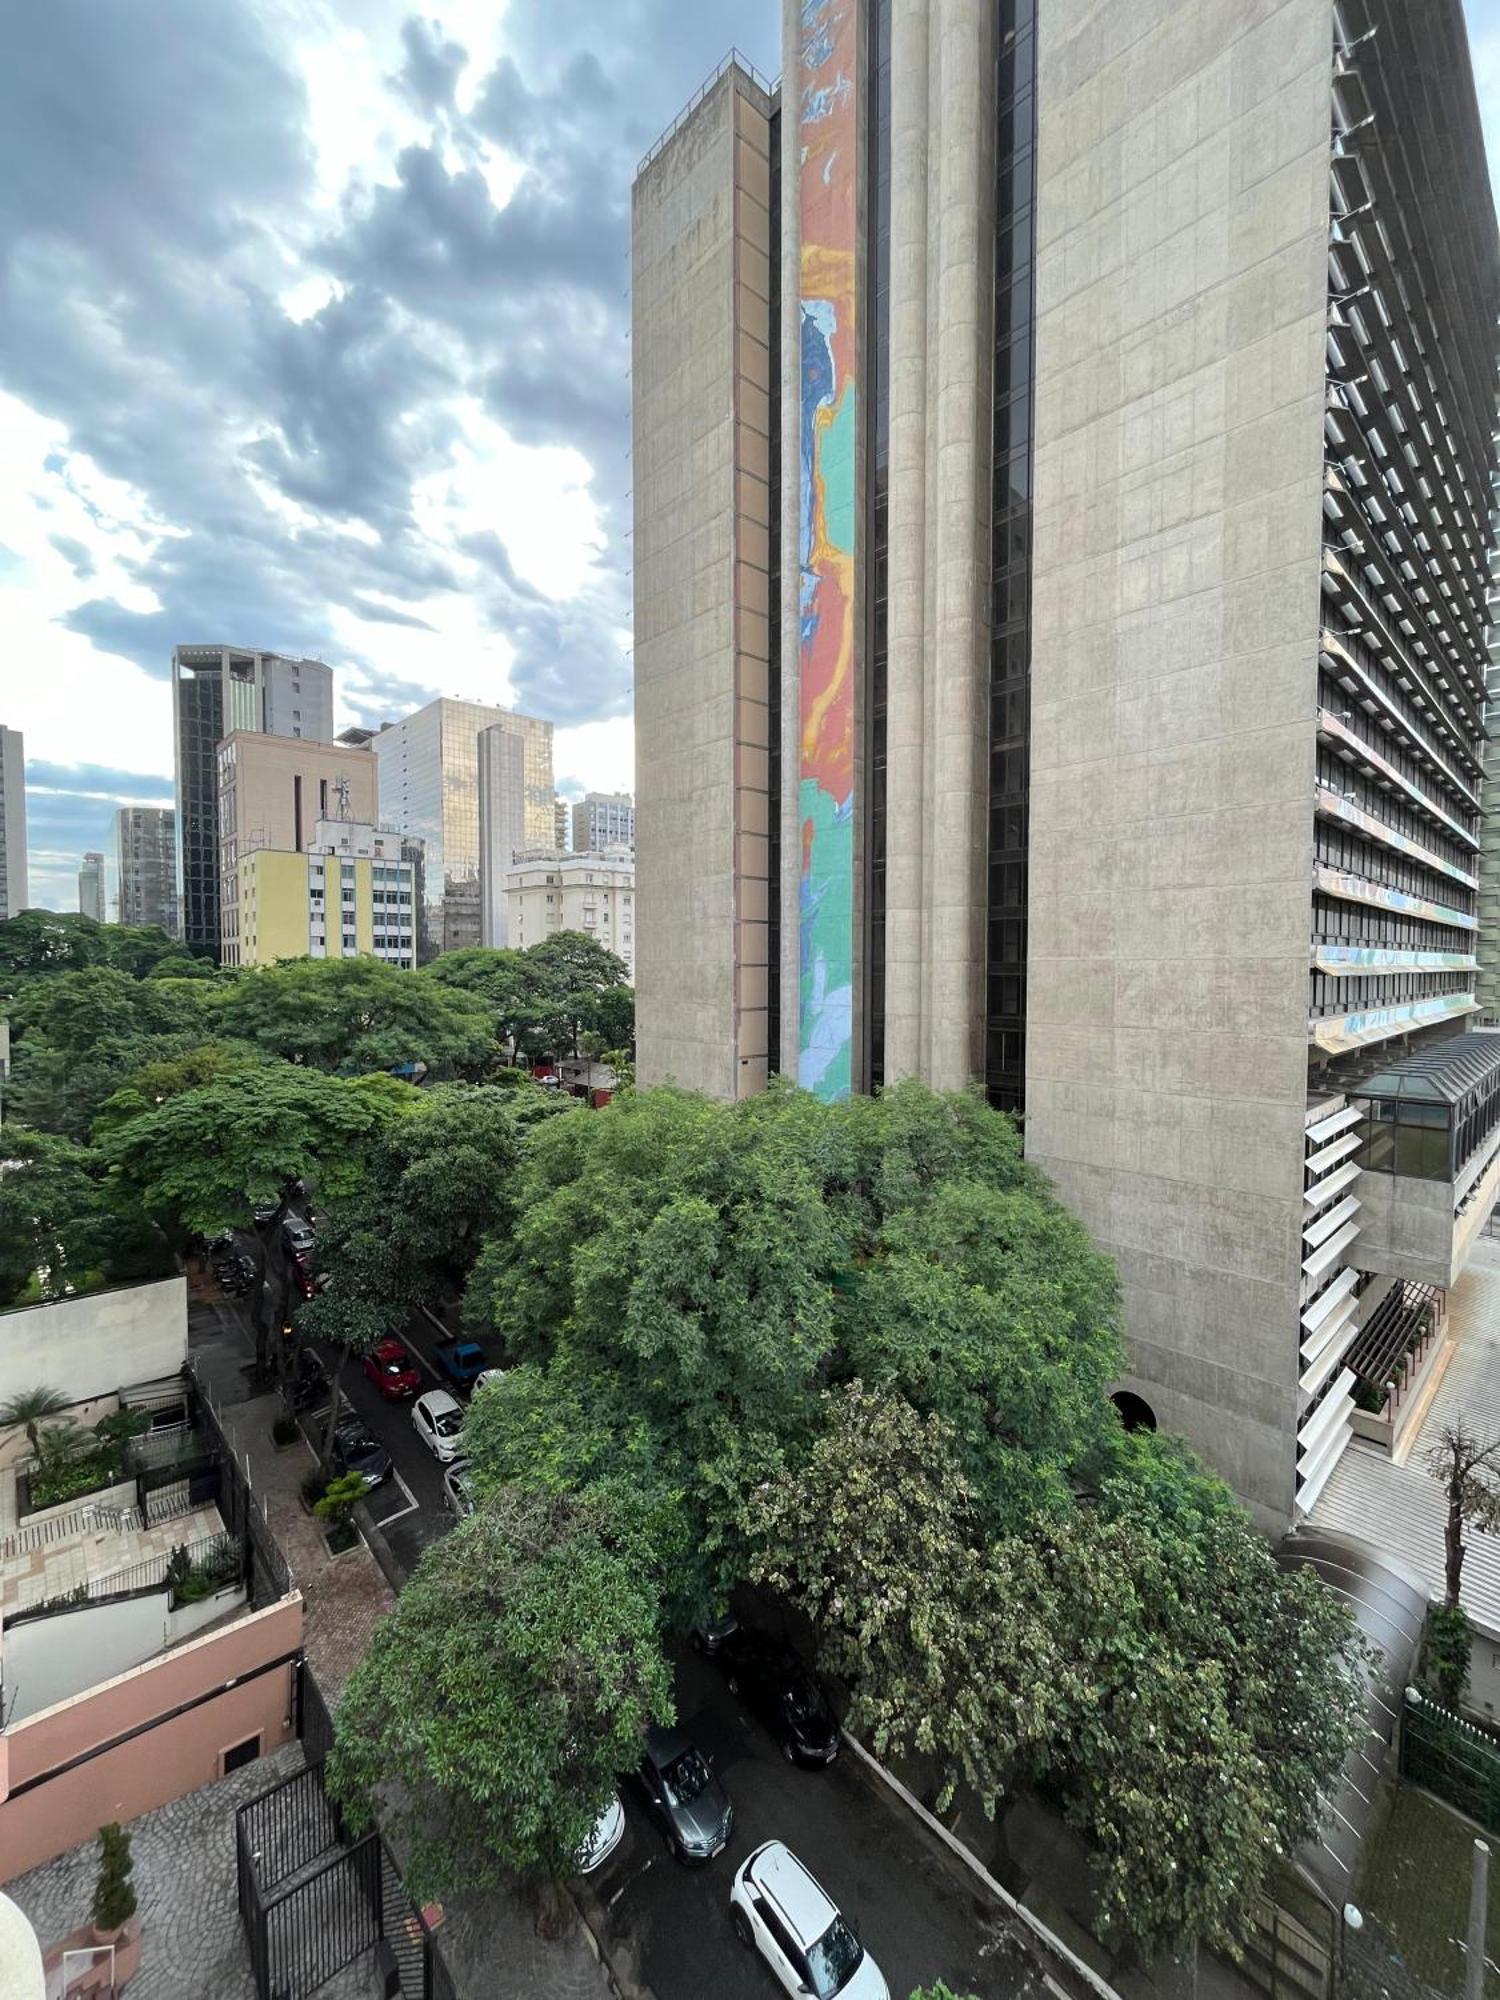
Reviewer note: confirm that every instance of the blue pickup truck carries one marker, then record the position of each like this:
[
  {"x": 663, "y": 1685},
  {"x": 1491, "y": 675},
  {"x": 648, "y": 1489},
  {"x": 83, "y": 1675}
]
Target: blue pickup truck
[{"x": 461, "y": 1361}]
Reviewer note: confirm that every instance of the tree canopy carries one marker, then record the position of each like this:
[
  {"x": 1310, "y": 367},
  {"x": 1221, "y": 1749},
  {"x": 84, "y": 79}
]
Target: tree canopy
[
  {"x": 59, "y": 1231},
  {"x": 44, "y": 941},
  {"x": 354, "y": 1014},
  {"x": 548, "y": 998},
  {"x": 504, "y": 1693}
]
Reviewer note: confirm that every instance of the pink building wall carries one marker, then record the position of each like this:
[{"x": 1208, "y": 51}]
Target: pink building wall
[{"x": 159, "y": 1763}]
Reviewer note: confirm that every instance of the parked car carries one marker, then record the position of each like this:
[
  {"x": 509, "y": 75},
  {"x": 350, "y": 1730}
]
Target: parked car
[
  {"x": 777, "y": 1685},
  {"x": 392, "y": 1370},
  {"x": 458, "y": 1489},
  {"x": 683, "y": 1796},
  {"x": 487, "y": 1375},
  {"x": 609, "y": 1831},
  {"x": 780, "y": 1911},
  {"x": 309, "y": 1384},
  {"x": 439, "y": 1421},
  {"x": 264, "y": 1212},
  {"x": 298, "y": 1235},
  {"x": 710, "y": 1634},
  {"x": 308, "y": 1281},
  {"x": 462, "y": 1361},
  {"x": 357, "y": 1449}
]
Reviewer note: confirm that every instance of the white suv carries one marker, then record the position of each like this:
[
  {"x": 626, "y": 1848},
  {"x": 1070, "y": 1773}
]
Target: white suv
[{"x": 776, "y": 1906}]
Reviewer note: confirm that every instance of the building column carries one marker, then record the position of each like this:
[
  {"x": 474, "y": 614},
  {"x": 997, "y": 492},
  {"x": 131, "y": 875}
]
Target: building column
[
  {"x": 791, "y": 558},
  {"x": 906, "y": 817}
]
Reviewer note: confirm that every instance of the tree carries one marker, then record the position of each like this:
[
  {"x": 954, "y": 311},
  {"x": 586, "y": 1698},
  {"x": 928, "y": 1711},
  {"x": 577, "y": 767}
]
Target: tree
[
  {"x": 354, "y": 1014},
  {"x": 500, "y": 1698},
  {"x": 28, "y": 1409},
  {"x": 1467, "y": 1466},
  {"x": 352, "y": 1324},
  {"x": 202, "y": 1160},
  {"x": 582, "y": 971},
  {"x": 521, "y": 993},
  {"x": 114, "y": 1893},
  {"x": 951, "y": 1646},
  {"x": 59, "y": 1232},
  {"x": 168, "y": 1073},
  {"x": 44, "y": 941}
]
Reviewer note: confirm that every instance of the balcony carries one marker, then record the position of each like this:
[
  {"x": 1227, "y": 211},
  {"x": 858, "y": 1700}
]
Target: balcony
[{"x": 1430, "y": 1154}]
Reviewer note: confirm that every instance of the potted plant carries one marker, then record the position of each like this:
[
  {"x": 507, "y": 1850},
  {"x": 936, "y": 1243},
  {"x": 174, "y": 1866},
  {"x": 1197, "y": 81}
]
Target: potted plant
[
  {"x": 114, "y": 1894},
  {"x": 335, "y": 1507},
  {"x": 284, "y": 1432}
]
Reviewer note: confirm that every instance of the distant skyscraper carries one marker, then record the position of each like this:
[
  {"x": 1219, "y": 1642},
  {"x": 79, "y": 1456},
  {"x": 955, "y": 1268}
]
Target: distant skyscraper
[
  {"x": 502, "y": 824},
  {"x": 91, "y": 887},
  {"x": 429, "y": 789},
  {"x": 603, "y": 819},
  {"x": 13, "y": 890},
  {"x": 146, "y": 860},
  {"x": 217, "y": 689}
]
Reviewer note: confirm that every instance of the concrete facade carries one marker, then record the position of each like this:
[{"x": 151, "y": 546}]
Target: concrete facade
[
  {"x": 91, "y": 898},
  {"x": 14, "y": 892},
  {"x": 602, "y": 819},
  {"x": 350, "y": 894},
  {"x": 549, "y": 892},
  {"x": 1182, "y": 221},
  {"x": 502, "y": 825},
  {"x": 702, "y": 472},
  {"x": 137, "y": 1333}
]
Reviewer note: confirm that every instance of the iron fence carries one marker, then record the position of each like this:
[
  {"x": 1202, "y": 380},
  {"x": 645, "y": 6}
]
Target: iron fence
[
  {"x": 315, "y": 1719},
  {"x": 219, "y": 1555},
  {"x": 1455, "y": 1759}
]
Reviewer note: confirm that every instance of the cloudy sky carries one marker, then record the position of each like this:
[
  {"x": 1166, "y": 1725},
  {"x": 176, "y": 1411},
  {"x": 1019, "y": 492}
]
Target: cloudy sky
[
  {"x": 313, "y": 321},
  {"x": 313, "y": 336}
]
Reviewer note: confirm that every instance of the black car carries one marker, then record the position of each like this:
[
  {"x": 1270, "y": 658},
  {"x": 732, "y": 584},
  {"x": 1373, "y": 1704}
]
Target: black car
[
  {"x": 683, "y": 1796},
  {"x": 309, "y": 1384},
  {"x": 355, "y": 1450},
  {"x": 775, "y": 1684}
]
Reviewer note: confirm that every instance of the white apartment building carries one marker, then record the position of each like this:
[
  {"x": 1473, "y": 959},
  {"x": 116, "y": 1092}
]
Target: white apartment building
[{"x": 548, "y": 892}]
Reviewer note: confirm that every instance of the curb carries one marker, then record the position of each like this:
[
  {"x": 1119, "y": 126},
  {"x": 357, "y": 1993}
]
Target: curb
[
  {"x": 1054, "y": 1946},
  {"x": 619, "y": 1966}
]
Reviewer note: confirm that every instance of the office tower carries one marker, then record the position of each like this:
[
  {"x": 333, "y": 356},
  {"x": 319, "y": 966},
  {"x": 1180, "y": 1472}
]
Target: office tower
[
  {"x": 349, "y": 893},
  {"x": 593, "y": 893},
  {"x": 562, "y": 825},
  {"x": 603, "y": 819},
  {"x": 273, "y": 792},
  {"x": 146, "y": 863},
  {"x": 91, "y": 887},
  {"x": 13, "y": 887},
  {"x": 217, "y": 690},
  {"x": 502, "y": 824},
  {"x": 429, "y": 789},
  {"x": 704, "y": 453},
  {"x": 1133, "y": 575}
]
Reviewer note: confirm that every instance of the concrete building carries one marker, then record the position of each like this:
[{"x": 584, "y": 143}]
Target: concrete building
[
  {"x": 429, "y": 789},
  {"x": 14, "y": 892},
  {"x": 272, "y": 793},
  {"x": 146, "y": 865},
  {"x": 562, "y": 834},
  {"x": 1132, "y": 531},
  {"x": 217, "y": 690},
  {"x": 593, "y": 893},
  {"x": 350, "y": 893},
  {"x": 91, "y": 887},
  {"x": 603, "y": 819},
  {"x": 502, "y": 824}
]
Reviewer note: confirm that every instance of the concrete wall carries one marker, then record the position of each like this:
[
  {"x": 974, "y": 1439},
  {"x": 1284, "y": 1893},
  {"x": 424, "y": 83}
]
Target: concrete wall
[
  {"x": 133, "y": 1743},
  {"x": 51, "y": 1659},
  {"x": 1181, "y": 293},
  {"x": 701, "y": 458},
  {"x": 91, "y": 1346}
]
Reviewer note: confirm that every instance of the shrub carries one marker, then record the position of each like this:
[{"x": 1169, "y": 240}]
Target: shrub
[
  {"x": 1446, "y": 1653},
  {"x": 114, "y": 1895}
]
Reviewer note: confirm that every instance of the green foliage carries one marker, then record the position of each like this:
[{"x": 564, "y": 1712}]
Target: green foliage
[
  {"x": 547, "y": 999},
  {"x": 1447, "y": 1651},
  {"x": 27, "y": 1410},
  {"x": 940, "y": 1992},
  {"x": 60, "y": 1231},
  {"x": 114, "y": 1893},
  {"x": 168, "y": 1073},
  {"x": 504, "y": 1692},
  {"x": 354, "y": 1014},
  {"x": 45, "y": 942},
  {"x": 340, "y": 1498}
]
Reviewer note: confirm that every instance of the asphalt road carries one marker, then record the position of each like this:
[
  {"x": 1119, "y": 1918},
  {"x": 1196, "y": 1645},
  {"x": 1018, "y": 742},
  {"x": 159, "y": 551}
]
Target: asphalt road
[{"x": 916, "y": 1920}]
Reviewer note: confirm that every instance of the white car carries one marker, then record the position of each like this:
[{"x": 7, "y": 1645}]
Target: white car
[
  {"x": 439, "y": 1421},
  {"x": 609, "y": 1830},
  {"x": 458, "y": 1490},
  {"x": 487, "y": 1375},
  {"x": 777, "y": 1907}
]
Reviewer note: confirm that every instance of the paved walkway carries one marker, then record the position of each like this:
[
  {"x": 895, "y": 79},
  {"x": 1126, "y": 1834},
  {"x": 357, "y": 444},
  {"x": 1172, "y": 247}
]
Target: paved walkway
[{"x": 95, "y": 1553}]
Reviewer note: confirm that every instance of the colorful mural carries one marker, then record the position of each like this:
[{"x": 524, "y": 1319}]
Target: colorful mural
[{"x": 828, "y": 128}]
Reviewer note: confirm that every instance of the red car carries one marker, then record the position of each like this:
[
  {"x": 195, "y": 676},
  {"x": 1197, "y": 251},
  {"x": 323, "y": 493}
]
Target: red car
[{"x": 393, "y": 1371}]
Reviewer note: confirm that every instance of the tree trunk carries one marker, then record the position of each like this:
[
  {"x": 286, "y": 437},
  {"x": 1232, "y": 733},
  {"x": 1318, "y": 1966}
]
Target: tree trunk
[
  {"x": 1453, "y": 1548},
  {"x": 333, "y": 1406},
  {"x": 551, "y": 1911}
]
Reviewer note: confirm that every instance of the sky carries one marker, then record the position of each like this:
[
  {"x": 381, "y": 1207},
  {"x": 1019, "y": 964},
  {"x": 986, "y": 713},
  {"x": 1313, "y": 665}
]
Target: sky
[{"x": 314, "y": 326}]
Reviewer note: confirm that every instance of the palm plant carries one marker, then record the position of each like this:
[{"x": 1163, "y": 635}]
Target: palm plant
[{"x": 26, "y": 1411}]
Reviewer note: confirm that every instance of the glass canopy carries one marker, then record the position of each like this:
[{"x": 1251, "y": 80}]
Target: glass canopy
[{"x": 1428, "y": 1114}]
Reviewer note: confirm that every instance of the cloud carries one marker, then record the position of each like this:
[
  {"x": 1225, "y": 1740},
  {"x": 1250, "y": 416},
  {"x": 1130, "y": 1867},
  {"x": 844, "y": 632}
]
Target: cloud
[{"x": 313, "y": 335}]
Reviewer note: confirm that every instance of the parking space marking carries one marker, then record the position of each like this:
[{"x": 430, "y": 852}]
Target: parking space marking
[
  {"x": 401, "y": 1512},
  {"x": 420, "y": 1358}
]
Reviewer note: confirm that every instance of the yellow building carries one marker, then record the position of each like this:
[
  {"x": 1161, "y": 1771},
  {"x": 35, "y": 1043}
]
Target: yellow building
[{"x": 350, "y": 895}]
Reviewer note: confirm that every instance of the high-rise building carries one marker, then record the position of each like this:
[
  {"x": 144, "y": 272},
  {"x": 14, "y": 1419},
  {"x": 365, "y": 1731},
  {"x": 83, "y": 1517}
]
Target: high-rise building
[
  {"x": 273, "y": 792},
  {"x": 215, "y": 691},
  {"x": 1121, "y": 744},
  {"x": 349, "y": 893},
  {"x": 13, "y": 886},
  {"x": 146, "y": 863},
  {"x": 562, "y": 825},
  {"x": 502, "y": 824},
  {"x": 91, "y": 887},
  {"x": 603, "y": 819},
  {"x": 592, "y": 893},
  {"x": 429, "y": 788}
]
